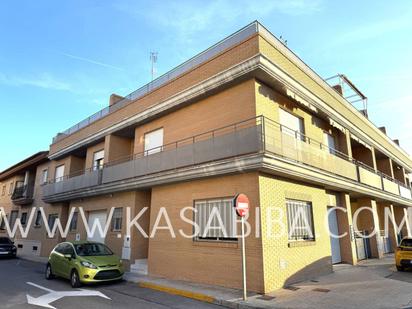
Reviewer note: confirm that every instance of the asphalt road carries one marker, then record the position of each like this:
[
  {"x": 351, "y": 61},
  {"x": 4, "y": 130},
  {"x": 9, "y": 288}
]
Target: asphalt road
[{"x": 19, "y": 278}]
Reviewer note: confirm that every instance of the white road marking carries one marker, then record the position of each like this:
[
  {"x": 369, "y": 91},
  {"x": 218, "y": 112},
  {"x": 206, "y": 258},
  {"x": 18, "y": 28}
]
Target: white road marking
[
  {"x": 45, "y": 300},
  {"x": 40, "y": 287}
]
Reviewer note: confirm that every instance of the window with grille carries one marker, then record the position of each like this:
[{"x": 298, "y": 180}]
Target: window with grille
[
  {"x": 207, "y": 213},
  {"x": 23, "y": 219},
  {"x": 117, "y": 219},
  {"x": 13, "y": 217},
  {"x": 73, "y": 223},
  {"x": 300, "y": 220},
  {"x": 37, "y": 222},
  {"x": 52, "y": 219}
]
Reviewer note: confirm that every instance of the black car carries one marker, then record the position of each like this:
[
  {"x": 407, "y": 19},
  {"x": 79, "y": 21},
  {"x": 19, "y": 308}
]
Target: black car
[{"x": 7, "y": 247}]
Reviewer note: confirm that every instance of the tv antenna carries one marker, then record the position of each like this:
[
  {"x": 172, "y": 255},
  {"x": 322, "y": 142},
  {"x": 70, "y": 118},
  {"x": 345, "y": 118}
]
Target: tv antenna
[{"x": 153, "y": 60}]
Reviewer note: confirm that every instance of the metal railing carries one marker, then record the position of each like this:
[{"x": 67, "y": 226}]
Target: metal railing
[
  {"x": 209, "y": 53},
  {"x": 258, "y": 134},
  {"x": 25, "y": 191},
  {"x": 237, "y": 139}
]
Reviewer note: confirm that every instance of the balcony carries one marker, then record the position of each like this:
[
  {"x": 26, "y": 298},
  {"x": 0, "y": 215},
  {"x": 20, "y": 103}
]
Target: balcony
[
  {"x": 23, "y": 195},
  {"x": 258, "y": 136},
  {"x": 76, "y": 181}
]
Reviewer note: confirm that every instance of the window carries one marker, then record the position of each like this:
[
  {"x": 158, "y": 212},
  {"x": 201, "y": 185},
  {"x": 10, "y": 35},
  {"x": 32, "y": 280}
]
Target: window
[
  {"x": 92, "y": 249},
  {"x": 52, "y": 219},
  {"x": 23, "y": 219},
  {"x": 290, "y": 124},
  {"x": 11, "y": 189},
  {"x": 13, "y": 217},
  {"x": 300, "y": 220},
  {"x": 58, "y": 175},
  {"x": 19, "y": 184},
  {"x": 212, "y": 230},
  {"x": 98, "y": 160},
  {"x": 59, "y": 248},
  {"x": 117, "y": 219},
  {"x": 67, "y": 249},
  {"x": 73, "y": 223},
  {"x": 4, "y": 190},
  {"x": 407, "y": 242},
  {"x": 38, "y": 219},
  {"x": 44, "y": 176},
  {"x": 329, "y": 141},
  {"x": 153, "y": 142}
]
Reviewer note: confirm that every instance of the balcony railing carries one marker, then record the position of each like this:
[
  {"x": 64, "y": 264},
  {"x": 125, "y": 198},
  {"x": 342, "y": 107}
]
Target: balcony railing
[
  {"x": 23, "y": 195},
  {"x": 256, "y": 135},
  {"x": 231, "y": 40}
]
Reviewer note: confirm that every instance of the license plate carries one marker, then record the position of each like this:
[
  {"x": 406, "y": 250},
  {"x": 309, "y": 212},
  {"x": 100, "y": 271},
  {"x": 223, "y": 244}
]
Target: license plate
[{"x": 4, "y": 253}]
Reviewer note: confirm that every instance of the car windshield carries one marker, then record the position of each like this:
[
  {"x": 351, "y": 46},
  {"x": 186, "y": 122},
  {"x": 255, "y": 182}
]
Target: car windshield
[
  {"x": 92, "y": 249},
  {"x": 406, "y": 243},
  {"x": 4, "y": 241}
]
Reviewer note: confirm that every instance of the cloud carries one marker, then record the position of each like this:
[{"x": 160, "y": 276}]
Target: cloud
[
  {"x": 43, "y": 80},
  {"x": 372, "y": 30},
  {"x": 91, "y": 61},
  {"x": 191, "y": 17}
]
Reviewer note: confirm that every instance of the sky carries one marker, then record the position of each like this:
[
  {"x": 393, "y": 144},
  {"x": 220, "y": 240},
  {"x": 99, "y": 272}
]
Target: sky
[{"x": 61, "y": 60}]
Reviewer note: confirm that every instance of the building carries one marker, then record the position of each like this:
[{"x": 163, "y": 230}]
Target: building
[
  {"x": 21, "y": 194},
  {"x": 246, "y": 115}
]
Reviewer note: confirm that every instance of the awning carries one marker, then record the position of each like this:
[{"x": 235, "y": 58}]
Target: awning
[
  {"x": 357, "y": 139},
  {"x": 300, "y": 100}
]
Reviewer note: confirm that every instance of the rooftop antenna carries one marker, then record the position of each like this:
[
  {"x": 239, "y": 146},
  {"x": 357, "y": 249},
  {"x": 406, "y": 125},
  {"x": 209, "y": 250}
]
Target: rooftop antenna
[
  {"x": 284, "y": 41},
  {"x": 153, "y": 60}
]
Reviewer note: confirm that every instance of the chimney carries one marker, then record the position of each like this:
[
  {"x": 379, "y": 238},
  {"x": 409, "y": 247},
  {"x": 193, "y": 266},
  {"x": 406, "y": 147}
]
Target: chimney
[
  {"x": 114, "y": 98},
  {"x": 396, "y": 141},
  {"x": 383, "y": 129},
  {"x": 339, "y": 89}
]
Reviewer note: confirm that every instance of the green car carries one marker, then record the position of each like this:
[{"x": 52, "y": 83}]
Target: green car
[{"x": 84, "y": 262}]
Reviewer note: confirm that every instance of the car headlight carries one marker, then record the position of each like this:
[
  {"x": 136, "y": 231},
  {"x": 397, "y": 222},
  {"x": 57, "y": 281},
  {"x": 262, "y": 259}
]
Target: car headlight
[
  {"x": 88, "y": 265},
  {"x": 13, "y": 248}
]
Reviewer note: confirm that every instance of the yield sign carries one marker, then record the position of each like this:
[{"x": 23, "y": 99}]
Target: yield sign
[{"x": 52, "y": 296}]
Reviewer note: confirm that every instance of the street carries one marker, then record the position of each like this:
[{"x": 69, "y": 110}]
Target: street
[{"x": 19, "y": 278}]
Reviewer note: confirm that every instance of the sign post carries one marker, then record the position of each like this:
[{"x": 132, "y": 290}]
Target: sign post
[{"x": 242, "y": 208}]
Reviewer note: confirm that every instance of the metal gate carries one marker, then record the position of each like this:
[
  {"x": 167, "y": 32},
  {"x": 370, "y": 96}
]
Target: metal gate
[
  {"x": 385, "y": 243},
  {"x": 362, "y": 245}
]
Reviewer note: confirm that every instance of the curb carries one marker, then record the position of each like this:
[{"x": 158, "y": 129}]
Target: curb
[
  {"x": 184, "y": 293},
  {"x": 196, "y": 296}
]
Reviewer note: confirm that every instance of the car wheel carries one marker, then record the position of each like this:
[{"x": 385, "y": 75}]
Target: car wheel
[
  {"x": 75, "y": 280},
  {"x": 399, "y": 268},
  {"x": 49, "y": 273}
]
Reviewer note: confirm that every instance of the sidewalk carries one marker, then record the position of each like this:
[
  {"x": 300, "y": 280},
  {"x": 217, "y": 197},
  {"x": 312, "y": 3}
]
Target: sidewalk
[
  {"x": 371, "y": 284},
  {"x": 226, "y": 297}
]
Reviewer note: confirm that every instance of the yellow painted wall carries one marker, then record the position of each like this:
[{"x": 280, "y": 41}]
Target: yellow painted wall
[
  {"x": 331, "y": 98},
  {"x": 287, "y": 262},
  {"x": 268, "y": 103}
]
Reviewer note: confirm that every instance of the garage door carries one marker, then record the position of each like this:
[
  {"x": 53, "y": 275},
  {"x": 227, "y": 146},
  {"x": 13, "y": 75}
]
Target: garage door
[{"x": 97, "y": 216}]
